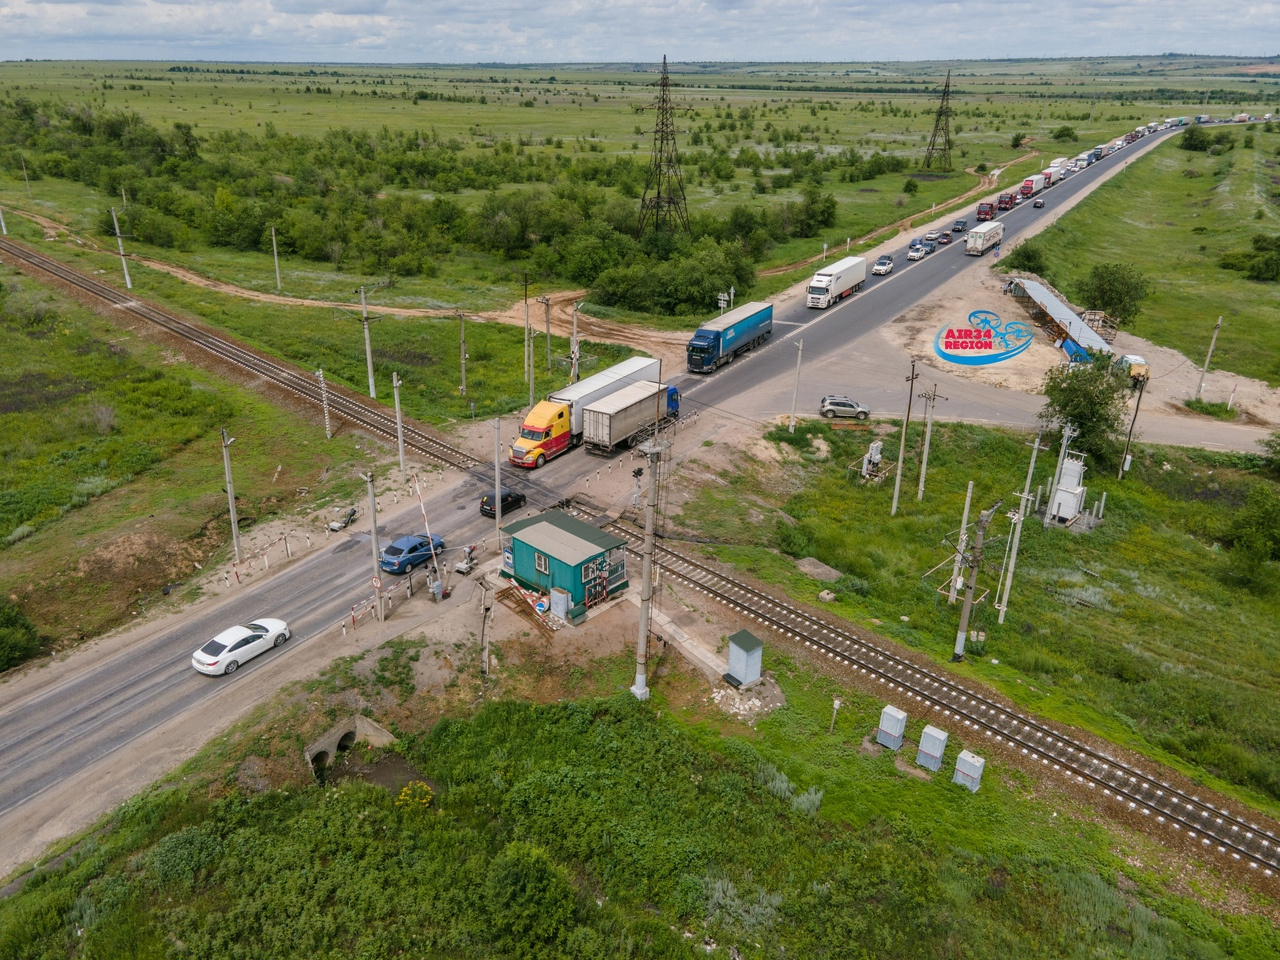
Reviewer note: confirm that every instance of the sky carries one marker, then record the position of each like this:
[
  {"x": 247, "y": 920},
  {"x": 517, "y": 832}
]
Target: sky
[{"x": 620, "y": 31}]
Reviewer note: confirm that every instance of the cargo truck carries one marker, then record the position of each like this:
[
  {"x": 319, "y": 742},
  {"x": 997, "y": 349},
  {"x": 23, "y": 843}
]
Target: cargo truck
[
  {"x": 985, "y": 211},
  {"x": 1099, "y": 152},
  {"x": 1051, "y": 176},
  {"x": 554, "y": 426},
  {"x": 1004, "y": 201},
  {"x": 983, "y": 237},
  {"x": 1032, "y": 185},
  {"x": 832, "y": 284},
  {"x": 718, "y": 341},
  {"x": 629, "y": 416}
]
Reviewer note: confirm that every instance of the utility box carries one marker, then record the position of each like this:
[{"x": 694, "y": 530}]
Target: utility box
[
  {"x": 561, "y": 601},
  {"x": 932, "y": 744},
  {"x": 746, "y": 654},
  {"x": 893, "y": 724},
  {"x": 969, "y": 770}
]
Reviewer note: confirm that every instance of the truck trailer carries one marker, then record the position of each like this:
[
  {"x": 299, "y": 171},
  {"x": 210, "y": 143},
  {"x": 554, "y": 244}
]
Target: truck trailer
[
  {"x": 832, "y": 284},
  {"x": 983, "y": 237},
  {"x": 629, "y": 416},
  {"x": 554, "y": 426},
  {"x": 718, "y": 341},
  {"x": 1032, "y": 185}
]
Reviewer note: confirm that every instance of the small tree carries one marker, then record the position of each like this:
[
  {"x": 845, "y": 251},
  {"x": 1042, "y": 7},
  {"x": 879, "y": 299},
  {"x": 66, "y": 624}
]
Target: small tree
[
  {"x": 1117, "y": 289},
  {"x": 1017, "y": 140},
  {"x": 1089, "y": 396},
  {"x": 1195, "y": 138},
  {"x": 911, "y": 187},
  {"x": 1065, "y": 133}
]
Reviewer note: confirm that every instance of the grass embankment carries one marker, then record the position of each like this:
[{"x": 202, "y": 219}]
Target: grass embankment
[
  {"x": 111, "y": 464},
  {"x": 1172, "y": 215},
  {"x": 1139, "y": 630},
  {"x": 608, "y": 827}
]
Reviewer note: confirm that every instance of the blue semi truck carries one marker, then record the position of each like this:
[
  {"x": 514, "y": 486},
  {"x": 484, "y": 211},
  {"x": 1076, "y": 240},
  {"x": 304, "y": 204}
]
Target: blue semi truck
[{"x": 720, "y": 340}]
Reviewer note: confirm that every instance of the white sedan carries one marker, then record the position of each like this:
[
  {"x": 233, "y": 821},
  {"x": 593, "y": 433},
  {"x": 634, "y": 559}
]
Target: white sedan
[{"x": 233, "y": 646}]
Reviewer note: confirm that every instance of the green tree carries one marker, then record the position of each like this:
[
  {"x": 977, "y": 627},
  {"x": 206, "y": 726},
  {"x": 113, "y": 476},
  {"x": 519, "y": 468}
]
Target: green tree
[
  {"x": 1255, "y": 535},
  {"x": 1065, "y": 133},
  {"x": 1271, "y": 446},
  {"x": 1195, "y": 138},
  {"x": 1028, "y": 257},
  {"x": 18, "y": 638},
  {"x": 1016, "y": 141},
  {"x": 530, "y": 897},
  {"x": 911, "y": 187},
  {"x": 1117, "y": 289},
  {"x": 1095, "y": 401}
]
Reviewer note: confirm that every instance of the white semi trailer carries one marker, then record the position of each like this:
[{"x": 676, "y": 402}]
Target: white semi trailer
[{"x": 832, "y": 284}]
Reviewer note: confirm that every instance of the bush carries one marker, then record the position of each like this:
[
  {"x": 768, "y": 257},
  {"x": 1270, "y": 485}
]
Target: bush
[{"x": 19, "y": 641}]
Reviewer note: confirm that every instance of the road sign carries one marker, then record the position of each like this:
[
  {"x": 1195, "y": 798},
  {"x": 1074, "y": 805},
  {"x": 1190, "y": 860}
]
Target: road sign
[{"x": 377, "y": 583}]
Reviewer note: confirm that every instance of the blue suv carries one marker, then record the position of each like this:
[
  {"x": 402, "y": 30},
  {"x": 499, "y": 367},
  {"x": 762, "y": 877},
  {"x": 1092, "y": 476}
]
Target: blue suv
[{"x": 408, "y": 552}]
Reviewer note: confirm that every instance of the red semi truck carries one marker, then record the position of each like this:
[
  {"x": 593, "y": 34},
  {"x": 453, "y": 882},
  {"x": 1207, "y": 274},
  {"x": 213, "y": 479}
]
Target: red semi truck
[
  {"x": 1032, "y": 185},
  {"x": 1004, "y": 201},
  {"x": 985, "y": 211}
]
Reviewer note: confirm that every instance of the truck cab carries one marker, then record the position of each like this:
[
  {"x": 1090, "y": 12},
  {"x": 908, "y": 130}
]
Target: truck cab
[
  {"x": 1004, "y": 201},
  {"x": 544, "y": 434},
  {"x": 985, "y": 211}
]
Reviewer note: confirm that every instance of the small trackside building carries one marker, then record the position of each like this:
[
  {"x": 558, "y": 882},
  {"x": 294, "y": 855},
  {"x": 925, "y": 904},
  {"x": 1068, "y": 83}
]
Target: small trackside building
[{"x": 554, "y": 550}]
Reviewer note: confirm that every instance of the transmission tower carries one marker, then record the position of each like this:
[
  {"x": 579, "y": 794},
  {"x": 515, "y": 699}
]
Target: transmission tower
[
  {"x": 663, "y": 204},
  {"x": 940, "y": 142}
]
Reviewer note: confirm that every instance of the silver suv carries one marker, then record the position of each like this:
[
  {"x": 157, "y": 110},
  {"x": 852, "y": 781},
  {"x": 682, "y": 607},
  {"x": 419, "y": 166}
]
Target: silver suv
[{"x": 837, "y": 406}]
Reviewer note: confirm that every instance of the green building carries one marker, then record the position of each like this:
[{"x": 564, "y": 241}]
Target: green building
[{"x": 554, "y": 551}]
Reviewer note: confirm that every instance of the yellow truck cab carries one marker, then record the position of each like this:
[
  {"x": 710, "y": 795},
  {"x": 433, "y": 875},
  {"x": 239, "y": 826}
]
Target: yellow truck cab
[{"x": 543, "y": 435}]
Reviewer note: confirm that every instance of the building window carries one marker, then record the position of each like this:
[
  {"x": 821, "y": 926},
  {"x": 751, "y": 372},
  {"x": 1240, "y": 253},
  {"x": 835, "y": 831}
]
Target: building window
[{"x": 540, "y": 563}]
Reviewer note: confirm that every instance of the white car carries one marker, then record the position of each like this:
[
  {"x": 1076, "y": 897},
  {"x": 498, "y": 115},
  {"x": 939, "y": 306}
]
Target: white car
[
  {"x": 883, "y": 265},
  {"x": 931, "y": 235},
  {"x": 233, "y": 646},
  {"x": 916, "y": 253}
]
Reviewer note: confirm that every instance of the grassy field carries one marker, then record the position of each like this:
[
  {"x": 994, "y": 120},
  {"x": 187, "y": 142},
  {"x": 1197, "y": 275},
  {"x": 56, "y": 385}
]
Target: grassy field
[
  {"x": 1172, "y": 215},
  {"x": 598, "y": 826},
  {"x": 1139, "y": 631}
]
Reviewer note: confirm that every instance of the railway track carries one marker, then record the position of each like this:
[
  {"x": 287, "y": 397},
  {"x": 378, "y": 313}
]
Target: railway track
[
  {"x": 368, "y": 416},
  {"x": 1121, "y": 788}
]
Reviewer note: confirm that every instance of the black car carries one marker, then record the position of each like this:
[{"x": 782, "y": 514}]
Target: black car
[
  {"x": 960, "y": 226},
  {"x": 510, "y": 501}
]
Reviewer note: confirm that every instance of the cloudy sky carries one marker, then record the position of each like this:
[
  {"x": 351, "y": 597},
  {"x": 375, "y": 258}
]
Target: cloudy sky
[{"x": 523, "y": 31}]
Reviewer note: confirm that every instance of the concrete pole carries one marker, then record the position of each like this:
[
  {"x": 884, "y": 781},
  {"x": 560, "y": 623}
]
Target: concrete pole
[
  {"x": 1216, "y": 327},
  {"x": 928, "y": 431},
  {"x": 395, "y": 389},
  {"x": 546, "y": 302},
  {"x": 902, "y": 447},
  {"x": 324, "y": 402},
  {"x": 497, "y": 485},
  {"x": 120, "y": 243},
  {"x": 962, "y": 545},
  {"x": 275, "y": 256},
  {"x": 231, "y": 492},
  {"x": 640, "y": 689},
  {"x": 795, "y": 390},
  {"x": 526, "y": 327},
  {"x": 573, "y": 345},
  {"x": 1068, "y": 432},
  {"x": 1124, "y": 460},
  {"x": 3, "y": 229},
  {"x": 23, "y": 160},
  {"x": 975, "y": 560},
  {"x": 368, "y": 349},
  {"x": 1023, "y": 500},
  {"x": 462, "y": 352},
  {"x": 532, "y": 375},
  {"x": 373, "y": 542}
]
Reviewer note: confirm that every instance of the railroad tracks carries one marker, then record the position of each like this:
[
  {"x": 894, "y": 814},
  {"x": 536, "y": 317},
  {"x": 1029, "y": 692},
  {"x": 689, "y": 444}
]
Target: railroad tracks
[{"x": 1120, "y": 788}]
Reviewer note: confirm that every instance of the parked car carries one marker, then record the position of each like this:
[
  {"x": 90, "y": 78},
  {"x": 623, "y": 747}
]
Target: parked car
[
  {"x": 408, "y": 552},
  {"x": 883, "y": 265},
  {"x": 917, "y": 252},
  {"x": 960, "y": 226},
  {"x": 944, "y": 239},
  {"x": 343, "y": 521},
  {"x": 1039, "y": 202},
  {"x": 233, "y": 646},
  {"x": 510, "y": 501},
  {"x": 932, "y": 235},
  {"x": 841, "y": 406}
]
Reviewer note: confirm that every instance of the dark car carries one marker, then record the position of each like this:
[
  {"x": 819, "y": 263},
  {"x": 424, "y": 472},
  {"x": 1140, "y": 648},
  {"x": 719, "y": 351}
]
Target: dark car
[
  {"x": 510, "y": 501},
  {"x": 944, "y": 239},
  {"x": 1039, "y": 203},
  {"x": 408, "y": 552},
  {"x": 960, "y": 226}
]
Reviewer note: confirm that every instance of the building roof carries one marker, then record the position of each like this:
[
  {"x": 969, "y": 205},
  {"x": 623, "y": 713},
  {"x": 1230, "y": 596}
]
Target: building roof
[
  {"x": 1064, "y": 316},
  {"x": 566, "y": 538}
]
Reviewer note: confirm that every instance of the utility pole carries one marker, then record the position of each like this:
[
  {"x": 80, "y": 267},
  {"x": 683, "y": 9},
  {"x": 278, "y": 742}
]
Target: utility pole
[
  {"x": 275, "y": 256},
  {"x": 573, "y": 346},
  {"x": 1023, "y": 500},
  {"x": 120, "y": 243},
  {"x": 1216, "y": 327},
  {"x": 462, "y": 352},
  {"x": 546, "y": 302},
  {"x": 532, "y": 374},
  {"x": 25, "y": 180},
  {"x": 975, "y": 560},
  {"x": 653, "y": 453},
  {"x": 962, "y": 545},
  {"x": 931, "y": 397},
  {"x": 395, "y": 390},
  {"x": 373, "y": 542},
  {"x": 3, "y": 229},
  {"x": 902, "y": 447},
  {"x": 231, "y": 492},
  {"x": 1068, "y": 434},
  {"x": 527, "y": 362},
  {"x": 497, "y": 484},
  {"x": 324, "y": 402},
  {"x": 796, "y": 389},
  {"x": 1124, "y": 461},
  {"x": 368, "y": 348}
]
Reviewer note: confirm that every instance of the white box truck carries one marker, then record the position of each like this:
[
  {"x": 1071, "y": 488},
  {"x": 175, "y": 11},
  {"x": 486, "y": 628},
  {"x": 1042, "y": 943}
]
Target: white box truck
[
  {"x": 983, "y": 237},
  {"x": 832, "y": 284},
  {"x": 629, "y": 415}
]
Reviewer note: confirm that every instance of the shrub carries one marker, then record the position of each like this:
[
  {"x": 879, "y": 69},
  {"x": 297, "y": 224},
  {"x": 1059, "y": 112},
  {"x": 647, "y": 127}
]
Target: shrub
[{"x": 19, "y": 641}]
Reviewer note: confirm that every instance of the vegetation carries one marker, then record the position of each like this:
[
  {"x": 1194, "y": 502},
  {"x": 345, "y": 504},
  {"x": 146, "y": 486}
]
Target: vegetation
[
  {"x": 1117, "y": 289},
  {"x": 1094, "y": 400}
]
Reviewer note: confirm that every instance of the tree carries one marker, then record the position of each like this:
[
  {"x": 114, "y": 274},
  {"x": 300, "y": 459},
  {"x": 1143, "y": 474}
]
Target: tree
[
  {"x": 1271, "y": 446},
  {"x": 1065, "y": 133},
  {"x": 911, "y": 187},
  {"x": 1017, "y": 140},
  {"x": 1254, "y": 536},
  {"x": 1117, "y": 289},
  {"x": 1195, "y": 138},
  {"x": 1094, "y": 400},
  {"x": 1028, "y": 257}
]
